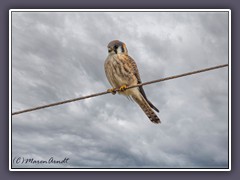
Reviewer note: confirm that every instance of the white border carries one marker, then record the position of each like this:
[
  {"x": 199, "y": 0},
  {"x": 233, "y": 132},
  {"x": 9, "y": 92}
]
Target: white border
[
  {"x": 229, "y": 89},
  {"x": 10, "y": 89},
  {"x": 123, "y": 10},
  {"x": 112, "y": 10}
]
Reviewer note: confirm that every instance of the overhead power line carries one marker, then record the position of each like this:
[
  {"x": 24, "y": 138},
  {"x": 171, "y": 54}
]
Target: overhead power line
[{"x": 106, "y": 92}]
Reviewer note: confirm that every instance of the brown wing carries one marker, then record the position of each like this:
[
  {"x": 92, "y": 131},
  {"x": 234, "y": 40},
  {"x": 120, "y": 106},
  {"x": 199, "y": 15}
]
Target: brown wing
[
  {"x": 136, "y": 73},
  {"x": 135, "y": 69}
]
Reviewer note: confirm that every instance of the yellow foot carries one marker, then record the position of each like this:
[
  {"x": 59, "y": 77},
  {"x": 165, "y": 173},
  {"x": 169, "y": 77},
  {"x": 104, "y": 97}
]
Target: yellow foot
[
  {"x": 123, "y": 88},
  {"x": 113, "y": 91}
]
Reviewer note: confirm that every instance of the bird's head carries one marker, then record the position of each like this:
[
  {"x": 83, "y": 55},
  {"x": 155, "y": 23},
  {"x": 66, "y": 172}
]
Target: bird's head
[{"x": 117, "y": 47}]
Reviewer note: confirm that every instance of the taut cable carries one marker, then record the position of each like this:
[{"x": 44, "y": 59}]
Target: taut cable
[{"x": 129, "y": 87}]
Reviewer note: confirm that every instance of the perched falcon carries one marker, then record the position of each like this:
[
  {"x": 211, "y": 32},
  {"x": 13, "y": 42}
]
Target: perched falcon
[{"x": 121, "y": 71}]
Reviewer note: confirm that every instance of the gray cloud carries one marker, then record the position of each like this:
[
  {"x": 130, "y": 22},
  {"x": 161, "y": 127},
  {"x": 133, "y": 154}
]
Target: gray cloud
[{"x": 60, "y": 55}]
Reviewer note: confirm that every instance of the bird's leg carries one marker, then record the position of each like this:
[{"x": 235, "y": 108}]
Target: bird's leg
[
  {"x": 113, "y": 91},
  {"x": 123, "y": 87}
]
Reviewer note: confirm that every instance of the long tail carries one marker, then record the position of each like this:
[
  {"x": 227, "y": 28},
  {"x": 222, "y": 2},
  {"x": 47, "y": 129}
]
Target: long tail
[
  {"x": 144, "y": 95},
  {"x": 141, "y": 101}
]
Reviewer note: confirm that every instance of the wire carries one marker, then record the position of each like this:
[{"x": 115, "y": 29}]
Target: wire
[{"x": 129, "y": 87}]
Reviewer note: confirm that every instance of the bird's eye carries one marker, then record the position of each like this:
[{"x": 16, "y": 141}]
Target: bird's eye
[{"x": 115, "y": 47}]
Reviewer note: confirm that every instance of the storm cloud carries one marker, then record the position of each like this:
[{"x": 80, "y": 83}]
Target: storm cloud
[{"x": 60, "y": 55}]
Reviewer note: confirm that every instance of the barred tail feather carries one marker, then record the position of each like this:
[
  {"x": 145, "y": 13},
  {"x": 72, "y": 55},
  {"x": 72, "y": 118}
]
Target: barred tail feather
[{"x": 140, "y": 100}]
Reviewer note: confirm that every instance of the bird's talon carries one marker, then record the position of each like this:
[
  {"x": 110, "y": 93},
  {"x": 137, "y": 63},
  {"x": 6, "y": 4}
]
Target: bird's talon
[
  {"x": 123, "y": 88},
  {"x": 113, "y": 91}
]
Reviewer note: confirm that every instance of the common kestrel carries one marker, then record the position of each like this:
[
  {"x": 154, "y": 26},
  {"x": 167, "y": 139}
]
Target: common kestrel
[{"x": 121, "y": 71}]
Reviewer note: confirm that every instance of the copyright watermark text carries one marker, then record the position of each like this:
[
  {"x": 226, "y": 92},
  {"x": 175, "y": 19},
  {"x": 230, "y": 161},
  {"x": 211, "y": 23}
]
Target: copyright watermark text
[{"x": 51, "y": 160}]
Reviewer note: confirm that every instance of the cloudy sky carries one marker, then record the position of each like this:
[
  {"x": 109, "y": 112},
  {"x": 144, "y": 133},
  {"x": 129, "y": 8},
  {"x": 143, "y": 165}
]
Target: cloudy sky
[{"x": 60, "y": 55}]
